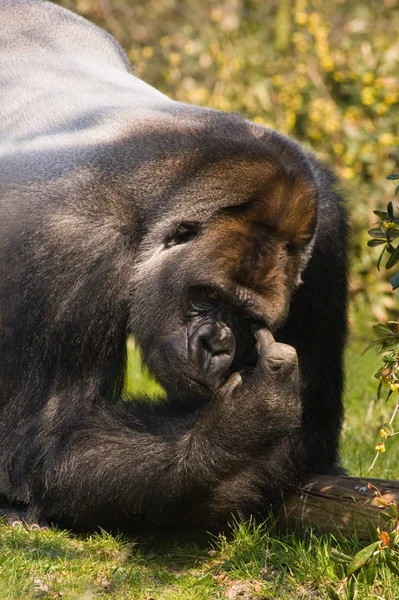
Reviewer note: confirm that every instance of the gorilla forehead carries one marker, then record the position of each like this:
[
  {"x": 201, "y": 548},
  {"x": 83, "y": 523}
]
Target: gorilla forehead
[
  {"x": 188, "y": 168},
  {"x": 170, "y": 161}
]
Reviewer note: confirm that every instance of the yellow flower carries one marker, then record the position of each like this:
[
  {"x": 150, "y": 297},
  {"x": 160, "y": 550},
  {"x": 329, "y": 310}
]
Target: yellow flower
[
  {"x": 368, "y": 77},
  {"x": 383, "y": 434},
  {"x": 174, "y": 59},
  {"x": 301, "y": 18},
  {"x": 259, "y": 119},
  {"x": 314, "y": 18},
  {"x": 380, "y": 447},
  {"x": 216, "y": 14},
  {"x": 394, "y": 387},
  {"x": 381, "y": 108},
  {"x": 338, "y": 148},
  {"x": 368, "y": 96},
  {"x": 147, "y": 52},
  {"x": 391, "y": 98},
  {"x": 277, "y": 80},
  {"x": 390, "y": 225},
  {"x": 387, "y": 139},
  {"x": 327, "y": 63},
  {"x": 301, "y": 82},
  {"x": 339, "y": 76},
  {"x": 347, "y": 173}
]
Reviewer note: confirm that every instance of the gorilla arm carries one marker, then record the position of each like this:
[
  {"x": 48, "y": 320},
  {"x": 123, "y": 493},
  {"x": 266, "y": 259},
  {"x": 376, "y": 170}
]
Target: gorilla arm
[{"x": 155, "y": 467}]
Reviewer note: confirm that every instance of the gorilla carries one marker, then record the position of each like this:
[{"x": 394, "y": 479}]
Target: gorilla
[{"x": 220, "y": 245}]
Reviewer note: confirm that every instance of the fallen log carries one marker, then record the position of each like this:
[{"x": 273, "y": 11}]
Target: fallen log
[{"x": 339, "y": 505}]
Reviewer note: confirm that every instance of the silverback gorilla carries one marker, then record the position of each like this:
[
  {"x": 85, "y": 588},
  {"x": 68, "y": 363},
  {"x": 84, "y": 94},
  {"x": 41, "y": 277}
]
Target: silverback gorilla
[{"x": 219, "y": 244}]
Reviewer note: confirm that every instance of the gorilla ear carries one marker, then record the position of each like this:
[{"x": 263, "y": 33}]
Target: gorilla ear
[{"x": 182, "y": 233}]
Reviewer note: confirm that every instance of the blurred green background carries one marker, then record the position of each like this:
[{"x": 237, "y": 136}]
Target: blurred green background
[{"x": 325, "y": 72}]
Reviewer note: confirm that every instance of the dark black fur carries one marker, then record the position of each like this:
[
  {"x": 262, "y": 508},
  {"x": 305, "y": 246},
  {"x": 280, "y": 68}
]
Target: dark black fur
[{"x": 123, "y": 211}]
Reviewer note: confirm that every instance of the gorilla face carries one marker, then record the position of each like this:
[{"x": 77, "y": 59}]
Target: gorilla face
[
  {"x": 215, "y": 340},
  {"x": 208, "y": 283}
]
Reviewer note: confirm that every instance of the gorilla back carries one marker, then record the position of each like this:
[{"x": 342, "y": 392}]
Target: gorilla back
[{"x": 205, "y": 236}]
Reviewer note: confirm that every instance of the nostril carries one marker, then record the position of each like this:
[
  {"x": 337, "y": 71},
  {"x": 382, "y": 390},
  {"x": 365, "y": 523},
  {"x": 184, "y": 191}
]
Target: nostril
[{"x": 206, "y": 344}]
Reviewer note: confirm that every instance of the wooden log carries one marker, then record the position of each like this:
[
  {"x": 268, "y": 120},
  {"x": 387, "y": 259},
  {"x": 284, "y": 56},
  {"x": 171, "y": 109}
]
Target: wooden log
[{"x": 339, "y": 505}]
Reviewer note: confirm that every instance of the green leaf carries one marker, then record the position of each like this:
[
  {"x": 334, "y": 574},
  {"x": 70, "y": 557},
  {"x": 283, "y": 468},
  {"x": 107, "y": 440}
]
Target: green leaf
[
  {"x": 377, "y": 233},
  {"x": 380, "y": 258},
  {"x": 392, "y": 563},
  {"x": 387, "y": 356},
  {"x": 379, "y": 391},
  {"x": 372, "y": 243},
  {"x": 395, "y": 281},
  {"x": 393, "y": 259},
  {"x": 397, "y": 189},
  {"x": 340, "y": 557},
  {"x": 385, "y": 516},
  {"x": 393, "y": 176},
  {"x": 390, "y": 206},
  {"x": 392, "y": 234},
  {"x": 381, "y": 214},
  {"x": 380, "y": 328},
  {"x": 389, "y": 430},
  {"x": 389, "y": 395},
  {"x": 351, "y": 588},
  {"x": 333, "y": 594},
  {"x": 371, "y": 571},
  {"x": 361, "y": 558}
]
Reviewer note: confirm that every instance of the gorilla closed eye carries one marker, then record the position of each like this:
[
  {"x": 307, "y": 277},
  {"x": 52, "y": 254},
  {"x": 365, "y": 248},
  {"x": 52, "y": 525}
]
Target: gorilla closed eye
[
  {"x": 182, "y": 233},
  {"x": 203, "y": 298}
]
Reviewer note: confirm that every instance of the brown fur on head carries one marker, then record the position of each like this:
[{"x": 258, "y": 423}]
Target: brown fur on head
[
  {"x": 228, "y": 260},
  {"x": 260, "y": 246}
]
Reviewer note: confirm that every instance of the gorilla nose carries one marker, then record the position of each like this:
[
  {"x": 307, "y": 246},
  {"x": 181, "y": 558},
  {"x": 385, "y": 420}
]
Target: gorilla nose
[
  {"x": 211, "y": 350},
  {"x": 218, "y": 339}
]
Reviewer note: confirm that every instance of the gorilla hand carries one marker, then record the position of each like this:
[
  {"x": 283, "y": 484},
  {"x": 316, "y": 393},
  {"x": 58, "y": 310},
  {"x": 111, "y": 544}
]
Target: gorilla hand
[{"x": 268, "y": 402}]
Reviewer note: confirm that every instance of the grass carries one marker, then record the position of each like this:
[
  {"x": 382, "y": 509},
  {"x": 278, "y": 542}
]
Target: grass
[{"x": 251, "y": 563}]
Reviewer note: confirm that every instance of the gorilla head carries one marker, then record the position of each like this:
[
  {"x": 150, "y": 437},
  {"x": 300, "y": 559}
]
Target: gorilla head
[{"x": 225, "y": 262}]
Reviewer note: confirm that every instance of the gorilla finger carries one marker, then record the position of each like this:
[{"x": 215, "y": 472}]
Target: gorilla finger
[
  {"x": 275, "y": 353},
  {"x": 38, "y": 526},
  {"x": 281, "y": 354},
  {"x": 13, "y": 517},
  {"x": 264, "y": 339},
  {"x": 233, "y": 382}
]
